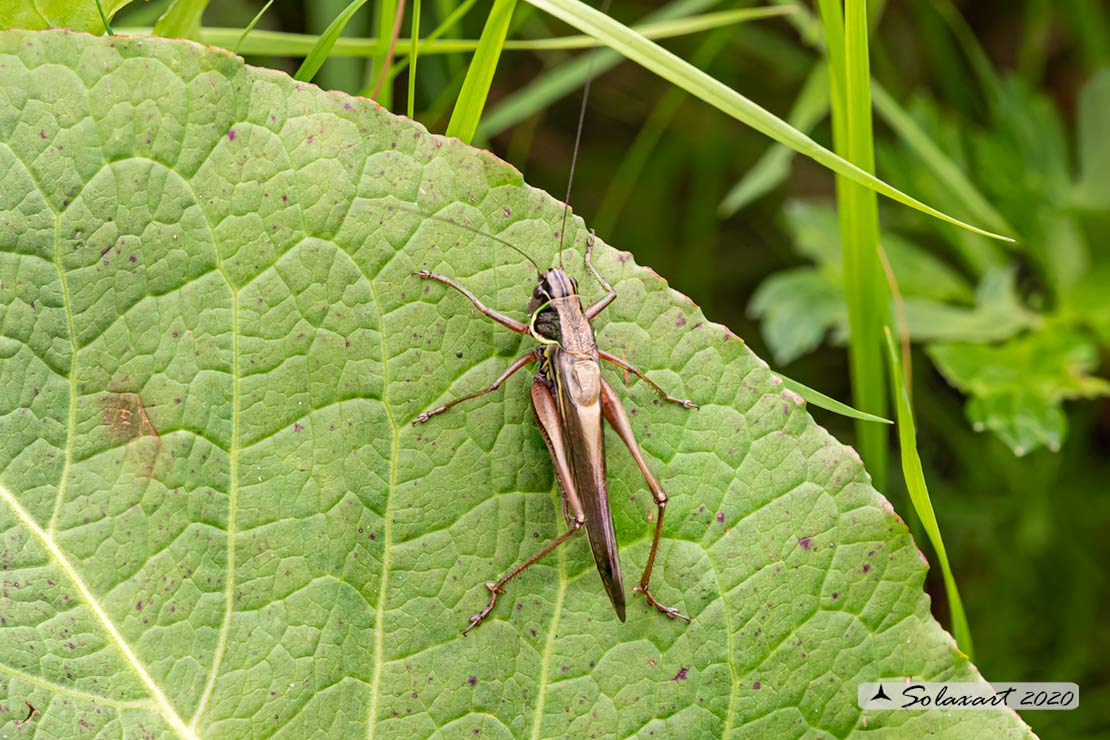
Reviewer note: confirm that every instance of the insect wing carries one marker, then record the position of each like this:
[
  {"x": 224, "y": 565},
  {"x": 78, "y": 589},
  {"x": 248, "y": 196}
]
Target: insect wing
[{"x": 578, "y": 392}]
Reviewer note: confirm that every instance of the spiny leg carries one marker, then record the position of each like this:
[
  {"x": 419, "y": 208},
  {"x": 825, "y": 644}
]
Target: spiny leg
[
  {"x": 547, "y": 416},
  {"x": 625, "y": 365},
  {"x": 520, "y": 362},
  {"x": 614, "y": 413},
  {"x": 498, "y": 317},
  {"x": 495, "y": 589},
  {"x": 610, "y": 293}
]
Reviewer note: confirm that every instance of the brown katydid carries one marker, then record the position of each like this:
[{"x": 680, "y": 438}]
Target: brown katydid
[{"x": 569, "y": 399}]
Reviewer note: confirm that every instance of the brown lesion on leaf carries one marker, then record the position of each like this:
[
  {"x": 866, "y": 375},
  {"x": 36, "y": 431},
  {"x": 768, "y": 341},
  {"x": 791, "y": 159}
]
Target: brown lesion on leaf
[
  {"x": 126, "y": 420},
  {"x": 32, "y": 710}
]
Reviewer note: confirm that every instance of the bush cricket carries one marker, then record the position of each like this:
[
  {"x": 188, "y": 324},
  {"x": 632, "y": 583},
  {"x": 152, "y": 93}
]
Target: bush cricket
[{"x": 569, "y": 400}]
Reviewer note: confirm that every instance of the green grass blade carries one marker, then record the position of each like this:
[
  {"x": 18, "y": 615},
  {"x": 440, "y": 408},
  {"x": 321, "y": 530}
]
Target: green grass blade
[
  {"x": 336, "y": 73},
  {"x": 446, "y": 25},
  {"x": 181, "y": 20},
  {"x": 414, "y": 46},
  {"x": 943, "y": 168},
  {"x": 386, "y": 14},
  {"x": 819, "y": 399},
  {"x": 104, "y": 19},
  {"x": 919, "y": 493},
  {"x": 281, "y": 43},
  {"x": 865, "y": 287},
  {"x": 773, "y": 167},
  {"x": 323, "y": 46},
  {"x": 627, "y": 177},
  {"x": 472, "y": 98},
  {"x": 564, "y": 79},
  {"x": 251, "y": 25},
  {"x": 679, "y": 72}
]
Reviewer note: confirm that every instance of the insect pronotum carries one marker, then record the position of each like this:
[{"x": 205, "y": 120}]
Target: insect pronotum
[{"x": 569, "y": 399}]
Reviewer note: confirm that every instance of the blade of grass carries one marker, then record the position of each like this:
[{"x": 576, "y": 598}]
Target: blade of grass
[
  {"x": 632, "y": 164},
  {"x": 944, "y": 169},
  {"x": 251, "y": 25},
  {"x": 919, "y": 494},
  {"x": 566, "y": 78},
  {"x": 811, "y": 105},
  {"x": 104, "y": 19},
  {"x": 662, "y": 62},
  {"x": 412, "y": 58},
  {"x": 865, "y": 295},
  {"x": 819, "y": 399},
  {"x": 335, "y": 73},
  {"x": 323, "y": 46},
  {"x": 448, "y": 23},
  {"x": 475, "y": 89},
  {"x": 657, "y": 30},
  {"x": 377, "y": 93},
  {"x": 386, "y": 12},
  {"x": 181, "y": 20},
  {"x": 293, "y": 44}
]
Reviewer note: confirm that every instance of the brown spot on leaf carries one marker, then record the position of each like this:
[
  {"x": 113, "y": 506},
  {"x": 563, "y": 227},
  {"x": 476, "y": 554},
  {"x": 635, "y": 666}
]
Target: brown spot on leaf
[{"x": 125, "y": 419}]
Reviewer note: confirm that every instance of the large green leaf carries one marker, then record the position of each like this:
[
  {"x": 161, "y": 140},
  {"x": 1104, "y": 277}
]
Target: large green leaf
[
  {"x": 217, "y": 521},
  {"x": 1017, "y": 388}
]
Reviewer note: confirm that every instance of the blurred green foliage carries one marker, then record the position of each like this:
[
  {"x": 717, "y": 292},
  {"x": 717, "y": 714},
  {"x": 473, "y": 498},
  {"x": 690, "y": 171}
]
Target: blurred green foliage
[{"x": 996, "y": 112}]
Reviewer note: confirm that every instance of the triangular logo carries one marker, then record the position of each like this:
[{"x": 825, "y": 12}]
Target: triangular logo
[{"x": 880, "y": 694}]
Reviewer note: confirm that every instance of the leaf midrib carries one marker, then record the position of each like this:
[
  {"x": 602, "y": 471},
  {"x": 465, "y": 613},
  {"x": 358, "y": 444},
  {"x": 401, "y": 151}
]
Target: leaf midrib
[{"x": 59, "y": 557}]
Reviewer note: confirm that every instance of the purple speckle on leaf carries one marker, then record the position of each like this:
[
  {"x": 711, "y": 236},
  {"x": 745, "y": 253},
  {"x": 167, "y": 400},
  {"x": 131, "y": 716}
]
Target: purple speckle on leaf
[
  {"x": 806, "y": 543},
  {"x": 231, "y": 134}
]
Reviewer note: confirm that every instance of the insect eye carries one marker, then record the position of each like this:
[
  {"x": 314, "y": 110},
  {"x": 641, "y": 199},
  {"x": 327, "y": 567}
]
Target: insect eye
[{"x": 538, "y": 292}]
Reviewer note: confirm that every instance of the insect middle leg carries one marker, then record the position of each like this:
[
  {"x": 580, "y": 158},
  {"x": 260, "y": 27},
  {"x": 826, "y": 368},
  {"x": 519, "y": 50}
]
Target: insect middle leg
[
  {"x": 614, "y": 413},
  {"x": 548, "y": 417},
  {"x": 518, "y": 363},
  {"x": 635, "y": 371}
]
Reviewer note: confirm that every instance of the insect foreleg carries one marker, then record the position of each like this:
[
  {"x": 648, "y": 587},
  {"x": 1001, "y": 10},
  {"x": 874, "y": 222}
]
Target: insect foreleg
[
  {"x": 548, "y": 417},
  {"x": 614, "y": 413},
  {"x": 610, "y": 293},
  {"x": 505, "y": 321},
  {"x": 518, "y": 363},
  {"x": 635, "y": 371}
]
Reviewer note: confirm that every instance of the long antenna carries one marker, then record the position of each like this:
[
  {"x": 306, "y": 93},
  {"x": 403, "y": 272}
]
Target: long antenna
[
  {"x": 479, "y": 232},
  {"x": 577, "y": 141}
]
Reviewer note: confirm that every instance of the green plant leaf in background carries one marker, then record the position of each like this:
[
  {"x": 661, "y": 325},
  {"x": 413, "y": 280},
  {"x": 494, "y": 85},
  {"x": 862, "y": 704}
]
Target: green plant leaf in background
[
  {"x": 998, "y": 313},
  {"x": 796, "y": 309},
  {"x": 38, "y": 14},
  {"x": 1016, "y": 389},
  {"x": 222, "y": 522}
]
